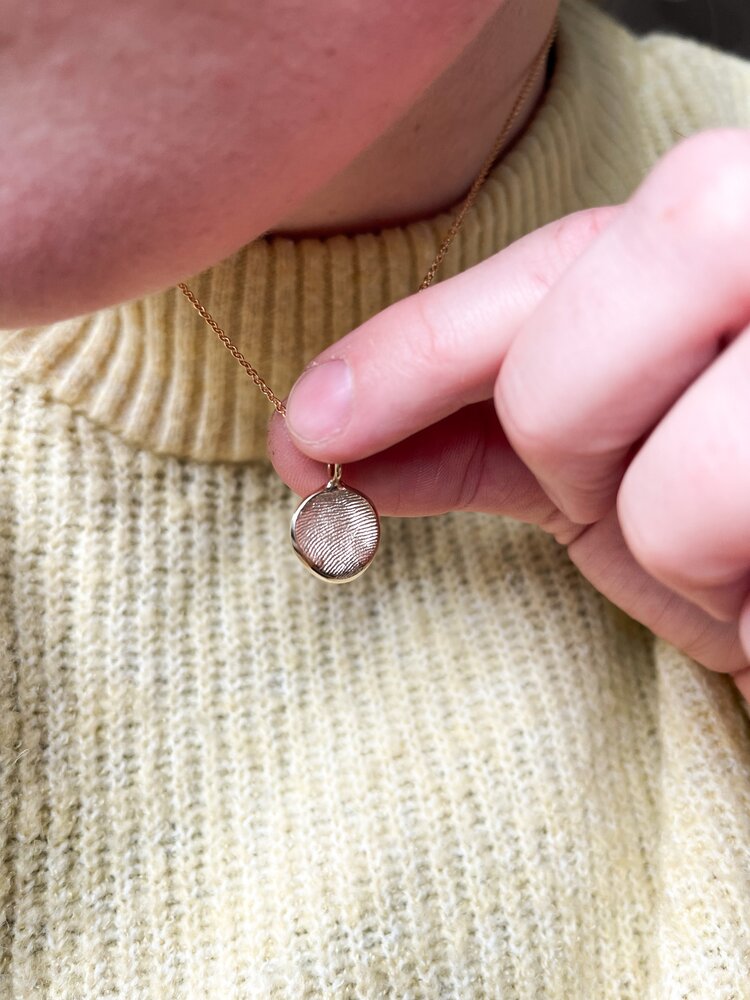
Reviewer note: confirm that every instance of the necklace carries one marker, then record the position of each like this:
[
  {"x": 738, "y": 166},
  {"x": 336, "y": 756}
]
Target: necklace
[{"x": 336, "y": 530}]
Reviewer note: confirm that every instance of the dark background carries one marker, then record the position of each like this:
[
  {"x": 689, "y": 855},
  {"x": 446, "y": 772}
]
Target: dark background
[{"x": 724, "y": 23}]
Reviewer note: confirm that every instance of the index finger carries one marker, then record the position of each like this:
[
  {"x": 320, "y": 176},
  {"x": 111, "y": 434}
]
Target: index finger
[{"x": 433, "y": 353}]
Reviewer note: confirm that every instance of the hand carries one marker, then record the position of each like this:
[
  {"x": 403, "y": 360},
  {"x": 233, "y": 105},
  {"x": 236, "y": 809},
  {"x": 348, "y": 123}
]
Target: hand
[{"x": 592, "y": 378}]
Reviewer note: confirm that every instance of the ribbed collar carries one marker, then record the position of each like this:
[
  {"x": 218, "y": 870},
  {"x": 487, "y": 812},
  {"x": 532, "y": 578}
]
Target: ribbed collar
[{"x": 152, "y": 372}]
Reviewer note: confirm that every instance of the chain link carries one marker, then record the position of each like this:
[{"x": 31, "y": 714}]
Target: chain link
[
  {"x": 448, "y": 239},
  {"x": 233, "y": 349}
]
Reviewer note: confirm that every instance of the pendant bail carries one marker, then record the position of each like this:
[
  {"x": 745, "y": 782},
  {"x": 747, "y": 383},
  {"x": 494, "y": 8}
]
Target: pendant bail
[{"x": 334, "y": 475}]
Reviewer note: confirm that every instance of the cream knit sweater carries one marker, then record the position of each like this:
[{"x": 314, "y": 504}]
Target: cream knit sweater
[{"x": 465, "y": 775}]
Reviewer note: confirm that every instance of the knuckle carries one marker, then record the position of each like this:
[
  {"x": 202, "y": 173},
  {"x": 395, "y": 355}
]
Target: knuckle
[
  {"x": 560, "y": 526},
  {"x": 472, "y": 472},
  {"x": 713, "y": 645},
  {"x": 699, "y": 637},
  {"x": 701, "y": 188},
  {"x": 568, "y": 236},
  {"x": 432, "y": 336},
  {"x": 572, "y": 233},
  {"x": 527, "y": 423},
  {"x": 651, "y": 545}
]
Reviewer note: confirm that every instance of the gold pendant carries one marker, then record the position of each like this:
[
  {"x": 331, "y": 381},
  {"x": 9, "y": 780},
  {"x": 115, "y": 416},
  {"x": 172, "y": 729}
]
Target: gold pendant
[{"x": 335, "y": 531}]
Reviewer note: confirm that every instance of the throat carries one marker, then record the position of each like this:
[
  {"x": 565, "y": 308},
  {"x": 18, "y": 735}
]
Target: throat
[{"x": 428, "y": 160}]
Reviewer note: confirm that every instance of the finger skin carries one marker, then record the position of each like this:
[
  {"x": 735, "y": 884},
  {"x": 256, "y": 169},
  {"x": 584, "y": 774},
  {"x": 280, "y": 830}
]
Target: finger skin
[
  {"x": 602, "y": 555},
  {"x": 433, "y": 472},
  {"x": 632, "y": 323},
  {"x": 443, "y": 468},
  {"x": 684, "y": 502},
  {"x": 440, "y": 349},
  {"x": 463, "y": 462},
  {"x": 743, "y": 678}
]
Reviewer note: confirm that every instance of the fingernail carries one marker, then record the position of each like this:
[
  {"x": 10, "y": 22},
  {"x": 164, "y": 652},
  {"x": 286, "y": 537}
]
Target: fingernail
[{"x": 320, "y": 403}]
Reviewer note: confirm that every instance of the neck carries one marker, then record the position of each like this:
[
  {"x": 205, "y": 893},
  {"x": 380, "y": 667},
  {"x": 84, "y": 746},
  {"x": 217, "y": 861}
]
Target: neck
[
  {"x": 150, "y": 370},
  {"x": 427, "y": 161}
]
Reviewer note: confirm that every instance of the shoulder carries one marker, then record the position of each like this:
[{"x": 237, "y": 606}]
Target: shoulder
[
  {"x": 697, "y": 85},
  {"x": 673, "y": 85},
  {"x": 627, "y": 99}
]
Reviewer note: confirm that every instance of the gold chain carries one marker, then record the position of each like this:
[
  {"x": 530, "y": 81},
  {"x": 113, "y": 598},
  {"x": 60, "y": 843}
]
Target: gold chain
[{"x": 449, "y": 236}]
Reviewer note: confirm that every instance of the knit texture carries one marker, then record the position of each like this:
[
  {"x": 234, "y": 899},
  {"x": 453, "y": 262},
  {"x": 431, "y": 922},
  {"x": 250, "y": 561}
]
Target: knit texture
[{"x": 465, "y": 775}]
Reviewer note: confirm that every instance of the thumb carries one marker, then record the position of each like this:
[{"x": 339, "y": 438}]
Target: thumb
[{"x": 434, "y": 352}]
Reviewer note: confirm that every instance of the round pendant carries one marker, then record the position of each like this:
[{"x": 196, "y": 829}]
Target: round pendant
[{"x": 335, "y": 531}]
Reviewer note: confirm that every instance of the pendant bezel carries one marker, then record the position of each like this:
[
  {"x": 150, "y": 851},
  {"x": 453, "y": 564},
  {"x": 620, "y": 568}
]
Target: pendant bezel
[{"x": 334, "y": 484}]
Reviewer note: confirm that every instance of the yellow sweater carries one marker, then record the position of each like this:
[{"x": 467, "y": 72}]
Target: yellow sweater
[{"x": 465, "y": 775}]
